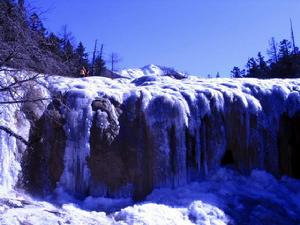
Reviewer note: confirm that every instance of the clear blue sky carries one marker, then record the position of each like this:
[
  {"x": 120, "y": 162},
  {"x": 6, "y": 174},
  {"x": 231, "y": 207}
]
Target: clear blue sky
[{"x": 197, "y": 36}]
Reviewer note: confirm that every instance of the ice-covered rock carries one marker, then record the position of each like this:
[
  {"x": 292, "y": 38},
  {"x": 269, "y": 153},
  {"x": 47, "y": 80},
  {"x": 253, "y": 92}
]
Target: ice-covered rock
[
  {"x": 123, "y": 138},
  {"x": 16, "y": 120}
]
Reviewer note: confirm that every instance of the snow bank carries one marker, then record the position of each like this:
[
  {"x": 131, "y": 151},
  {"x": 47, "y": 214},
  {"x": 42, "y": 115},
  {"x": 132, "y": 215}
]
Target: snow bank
[{"x": 224, "y": 198}]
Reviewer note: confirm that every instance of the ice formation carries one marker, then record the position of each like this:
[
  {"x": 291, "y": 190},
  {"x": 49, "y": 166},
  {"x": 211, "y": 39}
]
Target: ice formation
[
  {"x": 125, "y": 138},
  {"x": 225, "y": 197},
  {"x": 173, "y": 131}
]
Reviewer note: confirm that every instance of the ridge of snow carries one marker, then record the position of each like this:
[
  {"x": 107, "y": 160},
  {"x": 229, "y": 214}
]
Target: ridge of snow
[{"x": 148, "y": 70}]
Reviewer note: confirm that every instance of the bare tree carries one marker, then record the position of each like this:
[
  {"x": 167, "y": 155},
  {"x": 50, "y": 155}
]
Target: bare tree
[
  {"x": 114, "y": 59},
  {"x": 293, "y": 38},
  {"x": 21, "y": 53},
  {"x": 21, "y": 89},
  {"x": 94, "y": 58},
  {"x": 273, "y": 51},
  {"x": 100, "y": 60}
]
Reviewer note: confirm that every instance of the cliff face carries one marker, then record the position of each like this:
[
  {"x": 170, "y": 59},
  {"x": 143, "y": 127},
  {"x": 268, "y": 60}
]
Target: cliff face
[{"x": 121, "y": 138}]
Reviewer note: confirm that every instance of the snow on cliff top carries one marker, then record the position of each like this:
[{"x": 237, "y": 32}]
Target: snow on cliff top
[
  {"x": 278, "y": 95},
  {"x": 151, "y": 70}
]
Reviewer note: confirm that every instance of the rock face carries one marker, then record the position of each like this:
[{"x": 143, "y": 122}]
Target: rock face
[
  {"x": 289, "y": 145},
  {"x": 43, "y": 162},
  {"x": 123, "y": 138}
]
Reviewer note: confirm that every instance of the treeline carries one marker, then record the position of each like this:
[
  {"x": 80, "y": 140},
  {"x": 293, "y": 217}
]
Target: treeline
[
  {"x": 26, "y": 44},
  {"x": 283, "y": 62}
]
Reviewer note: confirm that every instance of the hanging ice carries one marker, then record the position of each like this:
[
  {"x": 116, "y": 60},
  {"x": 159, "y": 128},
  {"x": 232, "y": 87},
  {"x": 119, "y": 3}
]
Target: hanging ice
[{"x": 78, "y": 116}]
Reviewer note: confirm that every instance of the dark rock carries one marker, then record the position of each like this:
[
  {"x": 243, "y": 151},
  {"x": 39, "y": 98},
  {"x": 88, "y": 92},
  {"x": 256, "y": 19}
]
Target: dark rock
[
  {"x": 43, "y": 161},
  {"x": 289, "y": 145}
]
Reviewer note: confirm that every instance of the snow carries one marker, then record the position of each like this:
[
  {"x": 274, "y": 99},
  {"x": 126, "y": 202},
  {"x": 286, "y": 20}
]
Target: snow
[
  {"x": 225, "y": 197},
  {"x": 9, "y": 166},
  {"x": 170, "y": 104},
  {"x": 248, "y": 93},
  {"x": 12, "y": 117},
  {"x": 150, "y": 71}
]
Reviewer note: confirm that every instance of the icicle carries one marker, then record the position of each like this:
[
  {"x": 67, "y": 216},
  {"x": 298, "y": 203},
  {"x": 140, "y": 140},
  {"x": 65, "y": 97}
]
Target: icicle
[{"x": 76, "y": 176}]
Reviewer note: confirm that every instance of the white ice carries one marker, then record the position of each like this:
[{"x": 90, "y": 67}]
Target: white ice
[{"x": 225, "y": 197}]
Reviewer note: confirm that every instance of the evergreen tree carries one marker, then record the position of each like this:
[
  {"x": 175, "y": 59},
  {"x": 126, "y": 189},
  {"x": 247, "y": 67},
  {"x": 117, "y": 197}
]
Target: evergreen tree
[
  {"x": 54, "y": 43},
  {"x": 99, "y": 66},
  {"x": 285, "y": 48},
  {"x": 25, "y": 44},
  {"x": 263, "y": 66},
  {"x": 237, "y": 72},
  {"x": 81, "y": 55},
  {"x": 69, "y": 60},
  {"x": 284, "y": 62},
  {"x": 68, "y": 52},
  {"x": 36, "y": 24},
  {"x": 253, "y": 68}
]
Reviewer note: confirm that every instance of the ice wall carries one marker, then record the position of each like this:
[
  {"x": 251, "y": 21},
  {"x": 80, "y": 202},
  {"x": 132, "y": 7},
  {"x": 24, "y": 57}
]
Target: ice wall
[
  {"x": 9, "y": 164},
  {"x": 16, "y": 120},
  {"x": 126, "y": 137},
  {"x": 78, "y": 121}
]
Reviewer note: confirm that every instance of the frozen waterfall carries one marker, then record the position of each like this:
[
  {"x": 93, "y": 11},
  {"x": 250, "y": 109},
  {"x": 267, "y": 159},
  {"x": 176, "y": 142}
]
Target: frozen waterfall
[{"x": 124, "y": 138}]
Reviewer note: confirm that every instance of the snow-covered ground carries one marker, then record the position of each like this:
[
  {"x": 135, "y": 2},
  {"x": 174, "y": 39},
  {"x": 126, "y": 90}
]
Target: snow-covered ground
[{"x": 225, "y": 197}]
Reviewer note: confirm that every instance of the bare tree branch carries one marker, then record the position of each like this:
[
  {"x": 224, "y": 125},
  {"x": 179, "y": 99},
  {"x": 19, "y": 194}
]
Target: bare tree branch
[
  {"x": 19, "y": 82},
  {"x": 12, "y": 133},
  {"x": 24, "y": 101}
]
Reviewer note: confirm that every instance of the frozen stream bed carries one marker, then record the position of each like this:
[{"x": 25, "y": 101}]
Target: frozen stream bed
[{"x": 224, "y": 198}]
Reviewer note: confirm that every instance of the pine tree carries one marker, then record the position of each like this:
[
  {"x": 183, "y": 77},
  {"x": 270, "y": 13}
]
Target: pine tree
[
  {"x": 99, "y": 66},
  {"x": 263, "y": 66},
  {"x": 54, "y": 43},
  {"x": 252, "y": 68},
  {"x": 68, "y": 52},
  {"x": 36, "y": 24},
  {"x": 237, "y": 73},
  {"x": 81, "y": 55},
  {"x": 285, "y": 48}
]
